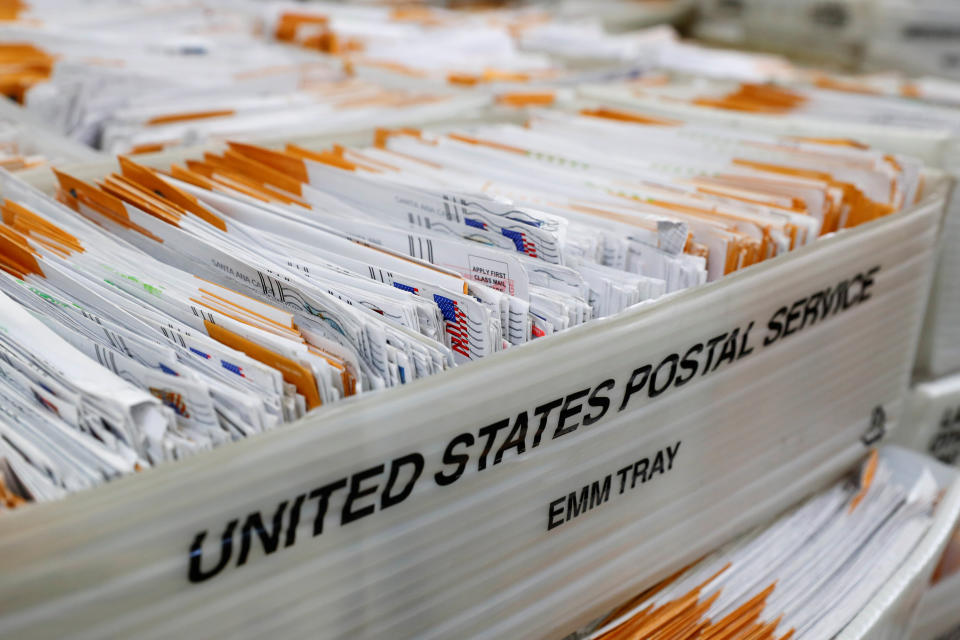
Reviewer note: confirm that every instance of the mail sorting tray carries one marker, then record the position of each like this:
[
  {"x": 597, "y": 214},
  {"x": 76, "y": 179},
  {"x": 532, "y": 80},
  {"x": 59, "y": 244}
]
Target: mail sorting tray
[{"x": 252, "y": 537}]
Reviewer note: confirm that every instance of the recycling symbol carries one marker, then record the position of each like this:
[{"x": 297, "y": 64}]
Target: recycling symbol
[{"x": 877, "y": 428}]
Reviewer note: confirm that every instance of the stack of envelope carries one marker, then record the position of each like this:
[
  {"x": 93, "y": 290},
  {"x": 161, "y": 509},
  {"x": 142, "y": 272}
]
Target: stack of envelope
[
  {"x": 145, "y": 76},
  {"x": 814, "y": 96},
  {"x": 519, "y": 57},
  {"x": 240, "y": 289},
  {"x": 926, "y": 89},
  {"x": 842, "y": 110},
  {"x": 807, "y": 575},
  {"x": 652, "y": 50},
  {"x": 109, "y": 76},
  {"x": 478, "y": 46}
]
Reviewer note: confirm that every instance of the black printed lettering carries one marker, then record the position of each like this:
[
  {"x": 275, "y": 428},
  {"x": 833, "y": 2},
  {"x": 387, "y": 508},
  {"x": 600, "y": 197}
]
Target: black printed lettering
[
  {"x": 569, "y": 411},
  {"x": 516, "y": 440},
  {"x": 711, "y": 345},
  {"x": 294, "y": 521},
  {"x": 577, "y": 504},
  {"x": 826, "y": 301},
  {"x": 389, "y": 499},
  {"x": 599, "y": 492},
  {"x": 657, "y": 466},
  {"x": 744, "y": 350},
  {"x": 196, "y": 572},
  {"x": 555, "y": 514},
  {"x": 690, "y": 364},
  {"x": 729, "y": 351},
  {"x": 622, "y": 473},
  {"x": 867, "y": 283},
  {"x": 544, "y": 412},
  {"x": 811, "y": 309},
  {"x": 671, "y": 454},
  {"x": 857, "y": 281},
  {"x": 635, "y": 385},
  {"x": 667, "y": 380},
  {"x": 459, "y": 459},
  {"x": 841, "y": 297},
  {"x": 775, "y": 326},
  {"x": 357, "y": 491},
  {"x": 639, "y": 472},
  {"x": 792, "y": 316},
  {"x": 490, "y": 431},
  {"x": 269, "y": 539},
  {"x": 322, "y": 495},
  {"x": 598, "y": 401}
]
